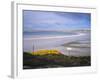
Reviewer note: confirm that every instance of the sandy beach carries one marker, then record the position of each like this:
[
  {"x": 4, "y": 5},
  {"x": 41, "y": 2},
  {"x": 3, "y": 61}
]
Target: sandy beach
[{"x": 60, "y": 43}]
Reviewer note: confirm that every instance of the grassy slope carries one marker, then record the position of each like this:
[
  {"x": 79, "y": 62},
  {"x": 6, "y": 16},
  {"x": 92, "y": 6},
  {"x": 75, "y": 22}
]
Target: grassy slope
[{"x": 53, "y": 60}]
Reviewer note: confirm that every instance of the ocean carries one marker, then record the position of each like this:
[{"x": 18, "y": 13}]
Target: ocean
[
  {"x": 34, "y": 34},
  {"x": 60, "y": 40}
]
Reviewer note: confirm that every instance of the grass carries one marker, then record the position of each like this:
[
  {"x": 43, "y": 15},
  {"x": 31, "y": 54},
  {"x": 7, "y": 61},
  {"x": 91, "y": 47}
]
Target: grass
[{"x": 50, "y": 60}]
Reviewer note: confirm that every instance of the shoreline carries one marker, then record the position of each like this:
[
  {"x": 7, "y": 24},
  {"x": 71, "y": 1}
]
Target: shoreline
[
  {"x": 55, "y": 37},
  {"x": 50, "y": 42}
]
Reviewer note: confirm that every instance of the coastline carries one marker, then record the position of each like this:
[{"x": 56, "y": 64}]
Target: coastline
[
  {"x": 60, "y": 43},
  {"x": 56, "y": 37}
]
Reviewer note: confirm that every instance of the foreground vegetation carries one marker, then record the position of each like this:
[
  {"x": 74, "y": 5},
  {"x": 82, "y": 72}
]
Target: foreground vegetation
[
  {"x": 44, "y": 52},
  {"x": 50, "y": 60}
]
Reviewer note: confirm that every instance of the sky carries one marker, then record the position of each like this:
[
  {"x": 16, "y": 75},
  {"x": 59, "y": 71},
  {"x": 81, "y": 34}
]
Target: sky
[{"x": 48, "y": 20}]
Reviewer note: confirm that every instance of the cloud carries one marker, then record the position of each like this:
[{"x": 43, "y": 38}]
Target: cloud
[{"x": 55, "y": 20}]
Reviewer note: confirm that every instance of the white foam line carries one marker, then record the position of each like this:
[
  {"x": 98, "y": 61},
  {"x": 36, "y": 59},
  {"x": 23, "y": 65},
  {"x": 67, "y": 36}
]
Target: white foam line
[{"x": 56, "y": 37}]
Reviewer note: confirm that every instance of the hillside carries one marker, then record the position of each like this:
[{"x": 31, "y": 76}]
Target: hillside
[{"x": 31, "y": 61}]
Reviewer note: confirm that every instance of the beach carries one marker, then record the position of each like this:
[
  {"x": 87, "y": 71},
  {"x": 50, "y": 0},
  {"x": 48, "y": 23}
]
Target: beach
[{"x": 81, "y": 40}]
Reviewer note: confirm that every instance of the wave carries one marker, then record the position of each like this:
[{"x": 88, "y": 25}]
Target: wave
[{"x": 55, "y": 37}]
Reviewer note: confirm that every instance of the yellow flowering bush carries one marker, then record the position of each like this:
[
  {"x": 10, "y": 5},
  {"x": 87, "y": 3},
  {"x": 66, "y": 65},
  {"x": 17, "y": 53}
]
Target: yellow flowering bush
[{"x": 43, "y": 52}]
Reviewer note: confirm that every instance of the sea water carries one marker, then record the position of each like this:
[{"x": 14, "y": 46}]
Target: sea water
[
  {"x": 33, "y": 41},
  {"x": 34, "y": 34}
]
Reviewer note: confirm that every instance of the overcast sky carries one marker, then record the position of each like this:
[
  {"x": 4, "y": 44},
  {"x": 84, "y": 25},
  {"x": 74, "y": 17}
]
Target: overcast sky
[{"x": 43, "y": 20}]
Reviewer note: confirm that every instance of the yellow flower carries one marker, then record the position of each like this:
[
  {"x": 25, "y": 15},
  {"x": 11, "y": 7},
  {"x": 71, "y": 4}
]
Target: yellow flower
[{"x": 43, "y": 52}]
